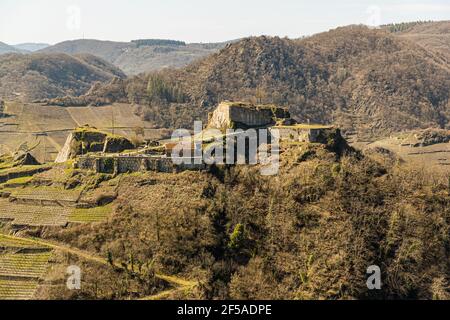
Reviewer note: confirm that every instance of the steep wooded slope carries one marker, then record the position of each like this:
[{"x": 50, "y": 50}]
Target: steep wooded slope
[{"x": 369, "y": 82}]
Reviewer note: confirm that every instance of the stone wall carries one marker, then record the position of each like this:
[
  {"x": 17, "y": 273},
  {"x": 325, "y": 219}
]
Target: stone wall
[
  {"x": 117, "y": 144},
  {"x": 309, "y": 135},
  {"x": 126, "y": 164},
  {"x": 87, "y": 163},
  {"x": 220, "y": 118},
  {"x": 293, "y": 135},
  {"x": 251, "y": 117}
]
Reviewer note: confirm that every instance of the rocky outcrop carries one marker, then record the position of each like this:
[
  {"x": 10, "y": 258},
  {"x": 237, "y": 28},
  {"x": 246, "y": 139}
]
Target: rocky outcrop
[{"x": 25, "y": 159}]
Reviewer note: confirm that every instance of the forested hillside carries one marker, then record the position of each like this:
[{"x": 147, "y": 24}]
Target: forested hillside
[
  {"x": 369, "y": 82},
  {"x": 433, "y": 36}
]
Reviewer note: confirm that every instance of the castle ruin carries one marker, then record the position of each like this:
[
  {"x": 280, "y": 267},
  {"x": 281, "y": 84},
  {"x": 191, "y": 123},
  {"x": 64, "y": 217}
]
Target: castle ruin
[{"x": 228, "y": 115}]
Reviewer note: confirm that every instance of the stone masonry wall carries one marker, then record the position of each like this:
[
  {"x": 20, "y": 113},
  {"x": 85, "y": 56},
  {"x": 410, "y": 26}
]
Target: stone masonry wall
[
  {"x": 312, "y": 135},
  {"x": 126, "y": 164},
  {"x": 251, "y": 117}
]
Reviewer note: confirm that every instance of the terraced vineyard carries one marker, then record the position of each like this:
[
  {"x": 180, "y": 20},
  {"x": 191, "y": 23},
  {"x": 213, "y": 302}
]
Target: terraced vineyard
[
  {"x": 17, "y": 289},
  {"x": 31, "y": 215},
  {"x": 29, "y": 265},
  {"x": 90, "y": 215},
  {"x": 22, "y": 265},
  {"x": 47, "y": 207},
  {"x": 17, "y": 244},
  {"x": 46, "y": 194}
]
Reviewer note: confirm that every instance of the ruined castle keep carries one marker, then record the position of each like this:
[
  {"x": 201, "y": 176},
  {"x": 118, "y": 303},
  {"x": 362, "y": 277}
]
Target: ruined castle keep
[
  {"x": 228, "y": 115},
  {"x": 85, "y": 140},
  {"x": 244, "y": 115}
]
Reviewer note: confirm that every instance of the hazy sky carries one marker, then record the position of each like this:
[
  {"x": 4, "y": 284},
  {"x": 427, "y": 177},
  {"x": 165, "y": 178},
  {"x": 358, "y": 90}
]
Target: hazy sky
[{"x": 53, "y": 21}]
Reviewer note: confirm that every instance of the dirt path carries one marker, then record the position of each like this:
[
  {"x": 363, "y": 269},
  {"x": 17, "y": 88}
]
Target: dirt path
[{"x": 181, "y": 284}]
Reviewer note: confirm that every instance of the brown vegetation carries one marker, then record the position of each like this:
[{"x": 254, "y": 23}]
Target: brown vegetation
[
  {"x": 368, "y": 82},
  {"x": 309, "y": 233}
]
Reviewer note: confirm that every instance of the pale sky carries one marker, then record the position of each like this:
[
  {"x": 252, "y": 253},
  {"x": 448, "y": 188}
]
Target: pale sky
[{"x": 53, "y": 21}]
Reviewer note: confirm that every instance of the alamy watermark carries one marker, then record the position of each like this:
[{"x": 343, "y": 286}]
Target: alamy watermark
[
  {"x": 73, "y": 22},
  {"x": 374, "y": 280},
  {"x": 74, "y": 280},
  {"x": 373, "y": 16}
]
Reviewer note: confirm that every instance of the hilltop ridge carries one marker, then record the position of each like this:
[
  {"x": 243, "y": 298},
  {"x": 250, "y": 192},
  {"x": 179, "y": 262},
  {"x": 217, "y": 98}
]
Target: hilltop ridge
[
  {"x": 369, "y": 82},
  {"x": 5, "y": 48},
  {"x": 433, "y": 36},
  {"x": 139, "y": 56},
  {"x": 39, "y": 76}
]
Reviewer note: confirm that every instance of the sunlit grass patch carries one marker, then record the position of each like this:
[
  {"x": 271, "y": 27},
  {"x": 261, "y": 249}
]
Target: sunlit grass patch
[
  {"x": 7, "y": 242},
  {"x": 18, "y": 181},
  {"x": 90, "y": 215}
]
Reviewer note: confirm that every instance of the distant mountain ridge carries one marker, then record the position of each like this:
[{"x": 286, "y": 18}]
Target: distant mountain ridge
[
  {"x": 5, "y": 48},
  {"x": 139, "y": 56},
  {"x": 38, "y": 76},
  {"x": 31, "y": 47}
]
